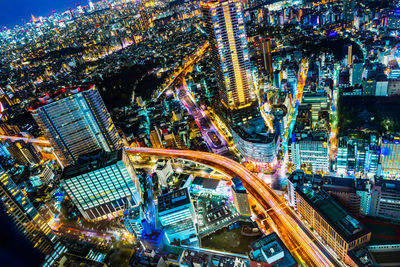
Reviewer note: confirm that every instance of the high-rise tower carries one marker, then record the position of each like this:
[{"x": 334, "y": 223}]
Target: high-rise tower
[
  {"x": 224, "y": 23},
  {"x": 76, "y": 122},
  {"x": 24, "y": 215}
]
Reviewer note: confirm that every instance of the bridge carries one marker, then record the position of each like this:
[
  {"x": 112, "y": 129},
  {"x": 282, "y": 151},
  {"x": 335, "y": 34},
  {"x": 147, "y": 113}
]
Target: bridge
[
  {"x": 307, "y": 249},
  {"x": 304, "y": 246}
]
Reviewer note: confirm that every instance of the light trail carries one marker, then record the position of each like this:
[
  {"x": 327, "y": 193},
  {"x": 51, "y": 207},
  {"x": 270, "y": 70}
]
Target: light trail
[
  {"x": 295, "y": 235},
  {"x": 25, "y": 139}
]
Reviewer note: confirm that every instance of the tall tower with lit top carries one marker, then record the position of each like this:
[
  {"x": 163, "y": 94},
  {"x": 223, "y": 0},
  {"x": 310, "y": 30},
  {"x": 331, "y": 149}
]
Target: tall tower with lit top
[{"x": 224, "y": 24}]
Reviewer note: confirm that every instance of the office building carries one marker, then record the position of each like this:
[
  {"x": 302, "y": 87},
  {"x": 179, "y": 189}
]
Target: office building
[
  {"x": 260, "y": 149},
  {"x": 385, "y": 199},
  {"x": 264, "y": 58},
  {"x": 390, "y": 156},
  {"x": 270, "y": 251},
  {"x": 224, "y": 24},
  {"x": 357, "y": 73},
  {"x": 363, "y": 189},
  {"x": 176, "y": 214},
  {"x": 369, "y": 87},
  {"x": 341, "y": 231},
  {"x": 349, "y": 55},
  {"x": 240, "y": 198},
  {"x": 24, "y": 153},
  {"x": 310, "y": 151},
  {"x": 24, "y": 215},
  {"x": 76, "y": 122},
  {"x": 353, "y": 194},
  {"x": 135, "y": 221},
  {"x": 102, "y": 184},
  {"x": 357, "y": 157}
]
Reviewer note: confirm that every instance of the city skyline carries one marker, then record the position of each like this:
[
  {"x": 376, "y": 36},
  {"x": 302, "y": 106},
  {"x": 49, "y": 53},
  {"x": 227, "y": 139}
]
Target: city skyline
[{"x": 202, "y": 133}]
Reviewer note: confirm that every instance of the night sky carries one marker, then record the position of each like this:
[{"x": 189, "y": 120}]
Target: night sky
[{"x": 15, "y": 12}]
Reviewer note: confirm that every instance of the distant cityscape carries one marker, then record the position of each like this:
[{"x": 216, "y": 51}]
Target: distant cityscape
[{"x": 204, "y": 133}]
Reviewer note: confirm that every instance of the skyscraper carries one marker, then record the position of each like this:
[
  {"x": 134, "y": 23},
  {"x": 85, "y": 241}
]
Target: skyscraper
[
  {"x": 224, "y": 23},
  {"x": 24, "y": 215},
  {"x": 264, "y": 59},
  {"x": 76, "y": 122},
  {"x": 349, "y": 56},
  {"x": 102, "y": 184}
]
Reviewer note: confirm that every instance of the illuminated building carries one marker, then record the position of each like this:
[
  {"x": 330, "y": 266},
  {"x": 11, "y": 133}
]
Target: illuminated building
[
  {"x": 341, "y": 231},
  {"x": 240, "y": 198},
  {"x": 24, "y": 215},
  {"x": 24, "y": 153},
  {"x": 385, "y": 199},
  {"x": 76, "y": 122},
  {"x": 155, "y": 139},
  {"x": 270, "y": 251},
  {"x": 264, "y": 59},
  {"x": 354, "y": 194},
  {"x": 390, "y": 156},
  {"x": 135, "y": 221},
  {"x": 310, "y": 151},
  {"x": 224, "y": 23},
  {"x": 357, "y": 157},
  {"x": 260, "y": 149},
  {"x": 349, "y": 56},
  {"x": 176, "y": 214},
  {"x": 363, "y": 189},
  {"x": 102, "y": 184}
]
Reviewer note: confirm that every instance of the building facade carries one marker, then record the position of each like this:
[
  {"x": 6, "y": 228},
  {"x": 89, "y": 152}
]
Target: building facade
[
  {"x": 332, "y": 222},
  {"x": 76, "y": 121},
  {"x": 176, "y": 214},
  {"x": 102, "y": 184},
  {"x": 390, "y": 156},
  {"x": 385, "y": 199},
  {"x": 311, "y": 151},
  {"x": 25, "y": 216}
]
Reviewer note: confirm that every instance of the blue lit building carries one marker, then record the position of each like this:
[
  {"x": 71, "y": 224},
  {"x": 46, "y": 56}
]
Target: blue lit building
[
  {"x": 102, "y": 184},
  {"x": 176, "y": 214},
  {"x": 76, "y": 122},
  {"x": 25, "y": 216},
  {"x": 390, "y": 156},
  {"x": 136, "y": 222}
]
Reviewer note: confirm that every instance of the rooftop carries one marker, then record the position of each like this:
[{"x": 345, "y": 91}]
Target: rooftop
[
  {"x": 91, "y": 162},
  {"x": 207, "y": 183},
  {"x": 271, "y": 246},
  {"x": 348, "y": 227},
  {"x": 59, "y": 94},
  {"x": 237, "y": 185},
  {"x": 173, "y": 199}
]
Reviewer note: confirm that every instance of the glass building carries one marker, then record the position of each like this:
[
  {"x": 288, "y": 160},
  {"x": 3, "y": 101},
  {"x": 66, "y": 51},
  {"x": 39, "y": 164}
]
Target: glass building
[
  {"x": 176, "y": 213},
  {"x": 25, "y": 216},
  {"x": 102, "y": 184},
  {"x": 76, "y": 122},
  {"x": 224, "y": 24}
]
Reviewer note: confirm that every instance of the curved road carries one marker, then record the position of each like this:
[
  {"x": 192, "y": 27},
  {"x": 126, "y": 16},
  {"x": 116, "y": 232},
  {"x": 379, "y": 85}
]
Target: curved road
[{"x": 301, "y": 242}]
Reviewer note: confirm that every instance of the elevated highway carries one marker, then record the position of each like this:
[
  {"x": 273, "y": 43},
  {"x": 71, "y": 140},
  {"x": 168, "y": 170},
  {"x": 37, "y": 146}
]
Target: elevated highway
[{"x": 302, "y": 243}]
